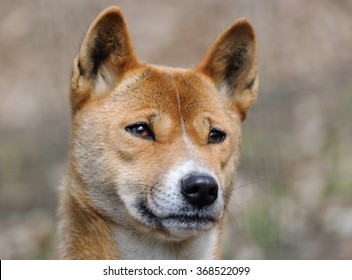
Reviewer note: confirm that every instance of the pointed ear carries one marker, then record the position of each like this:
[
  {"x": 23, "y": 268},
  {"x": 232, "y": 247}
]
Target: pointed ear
[
  {"x": 231, "y": 63},
  {"x": 105, "y": 55}
]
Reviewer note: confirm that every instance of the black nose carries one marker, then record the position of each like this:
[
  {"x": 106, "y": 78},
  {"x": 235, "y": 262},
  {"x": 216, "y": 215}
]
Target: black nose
[{"x": 199, "y": 190}]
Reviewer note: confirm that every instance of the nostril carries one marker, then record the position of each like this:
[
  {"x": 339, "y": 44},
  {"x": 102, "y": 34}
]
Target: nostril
[
  {"x": 199, "y": 190},
  {"x": 213, "y": 190},
  {"x": 191, "y": 188}
]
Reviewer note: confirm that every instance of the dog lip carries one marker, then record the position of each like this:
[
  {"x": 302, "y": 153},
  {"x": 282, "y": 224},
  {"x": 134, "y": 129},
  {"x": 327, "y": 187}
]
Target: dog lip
[
  {"x": 186, "y": 220},
  {"x": 145, "y": 212},
  {"x": 190, "y": 218}
]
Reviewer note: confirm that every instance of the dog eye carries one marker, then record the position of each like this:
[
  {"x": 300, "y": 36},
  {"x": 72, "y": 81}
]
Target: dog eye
[
  {"x": 216, "y": 136},
  {"x": 141, "y": 130}
]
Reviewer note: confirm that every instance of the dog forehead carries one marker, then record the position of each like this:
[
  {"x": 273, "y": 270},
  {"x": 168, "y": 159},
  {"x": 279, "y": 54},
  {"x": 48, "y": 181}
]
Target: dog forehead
[{"x": 167, "y": 88}]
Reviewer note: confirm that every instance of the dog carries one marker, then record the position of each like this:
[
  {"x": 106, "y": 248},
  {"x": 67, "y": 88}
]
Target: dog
[{"x": 154, "y": 149}]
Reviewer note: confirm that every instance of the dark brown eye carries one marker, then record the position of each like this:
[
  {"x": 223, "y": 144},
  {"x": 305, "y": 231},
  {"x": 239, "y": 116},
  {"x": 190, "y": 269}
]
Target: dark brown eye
[
  {"x": 141, "y": 130},
  {"x": 216, "y": 136}
]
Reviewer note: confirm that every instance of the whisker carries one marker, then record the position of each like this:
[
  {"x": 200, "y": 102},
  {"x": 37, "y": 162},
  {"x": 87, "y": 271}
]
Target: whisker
[{"x": 252, "y": 183}]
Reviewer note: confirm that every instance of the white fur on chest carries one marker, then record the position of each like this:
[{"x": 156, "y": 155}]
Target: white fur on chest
[{"x": 144, "y": 247}]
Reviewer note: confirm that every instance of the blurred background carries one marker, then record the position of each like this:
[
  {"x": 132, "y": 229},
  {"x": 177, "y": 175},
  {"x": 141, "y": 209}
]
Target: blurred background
[{"x": 293, "y": 198}]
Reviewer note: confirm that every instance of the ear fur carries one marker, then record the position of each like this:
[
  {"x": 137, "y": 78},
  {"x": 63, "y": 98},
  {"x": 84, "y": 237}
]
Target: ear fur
[
  {"x": 105, "y": 55},
  {"x": 231, "y": 63}
]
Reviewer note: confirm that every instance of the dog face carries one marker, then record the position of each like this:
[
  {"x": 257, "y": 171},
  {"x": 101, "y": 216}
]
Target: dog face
[{"x": 157, "y": 147}]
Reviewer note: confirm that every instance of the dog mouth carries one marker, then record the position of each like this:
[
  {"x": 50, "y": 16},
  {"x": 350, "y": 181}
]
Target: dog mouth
[{"x": 188, "y": 221}]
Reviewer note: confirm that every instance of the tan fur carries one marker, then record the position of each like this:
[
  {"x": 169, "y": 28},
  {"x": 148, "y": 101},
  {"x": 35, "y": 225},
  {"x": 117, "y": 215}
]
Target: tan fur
[{"x": 111, "y": 170}]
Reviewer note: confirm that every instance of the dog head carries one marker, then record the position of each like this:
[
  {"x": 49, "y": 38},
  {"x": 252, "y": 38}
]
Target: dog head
[{"x": 156, "y": 147}]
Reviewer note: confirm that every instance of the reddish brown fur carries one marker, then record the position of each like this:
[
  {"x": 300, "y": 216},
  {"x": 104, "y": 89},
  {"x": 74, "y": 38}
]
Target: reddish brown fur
[{"x": 102, "y": 153}]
